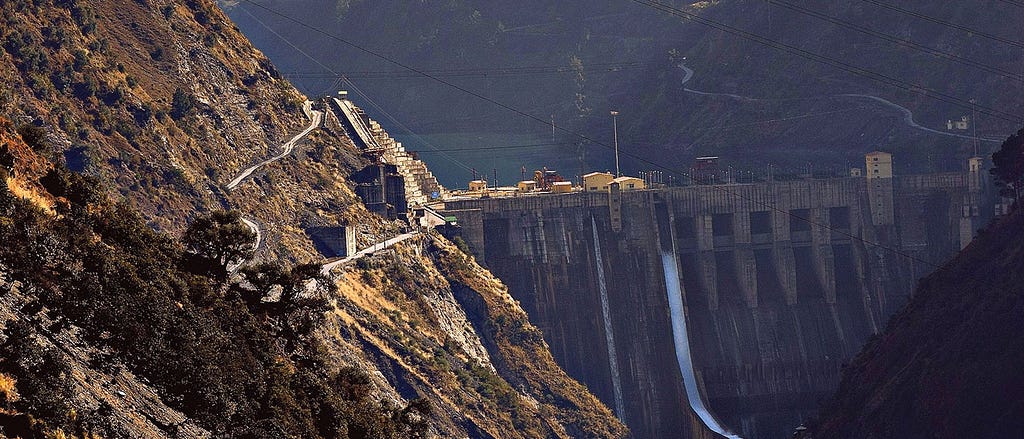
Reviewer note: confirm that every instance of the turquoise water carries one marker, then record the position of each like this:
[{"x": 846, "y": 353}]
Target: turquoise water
[{"x": 487, "y": 152}]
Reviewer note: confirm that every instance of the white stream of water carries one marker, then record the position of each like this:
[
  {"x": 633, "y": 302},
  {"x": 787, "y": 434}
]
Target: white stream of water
[
  {"x": 609, "y": 337},
  {"x": 682, "y": 343}
]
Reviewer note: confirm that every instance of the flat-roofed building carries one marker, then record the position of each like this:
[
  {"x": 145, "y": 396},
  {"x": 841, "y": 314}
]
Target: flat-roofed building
[
  {"x": 597, "y": 181},
  {"x": 478, "y": 185},
  {"x": 630, "y": 183},
  {"x": 561, "y": 187}
]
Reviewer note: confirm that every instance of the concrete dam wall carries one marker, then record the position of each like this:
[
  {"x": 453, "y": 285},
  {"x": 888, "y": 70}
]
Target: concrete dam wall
[{"x": 780, "y": 283}]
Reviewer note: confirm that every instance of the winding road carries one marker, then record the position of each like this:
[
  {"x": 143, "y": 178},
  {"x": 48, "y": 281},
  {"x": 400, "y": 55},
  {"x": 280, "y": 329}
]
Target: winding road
[
  {"x": 255, "y": 229},
  {"x": 316, "y": 118},
  {"x": 908, "y": 116}
]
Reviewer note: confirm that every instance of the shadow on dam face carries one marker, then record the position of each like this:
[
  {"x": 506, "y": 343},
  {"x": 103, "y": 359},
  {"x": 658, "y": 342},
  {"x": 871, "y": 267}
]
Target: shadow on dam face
[{"x": 773, "y": 306}]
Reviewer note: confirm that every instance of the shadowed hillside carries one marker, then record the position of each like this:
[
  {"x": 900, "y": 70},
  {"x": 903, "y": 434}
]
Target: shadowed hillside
[{"x": 948, "y": 364}]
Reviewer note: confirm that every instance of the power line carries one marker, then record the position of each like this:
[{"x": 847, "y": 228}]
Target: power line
[
  {"x": 470, "y": 74},
  {"x": 354, "y": 88},
  {"x": 583, "y": 137},
  {"x": 842, "y": 65},
  {"x": 719, "y": 127},
  {"x": 507, "y": 69},
  {"x": 944, "y": 23},
  {"x": 410, "y": 75},
  {"x": 1012, "y": 2},
  {"x": 500, "y": 147},
  {"x": 899, "y": 41}
]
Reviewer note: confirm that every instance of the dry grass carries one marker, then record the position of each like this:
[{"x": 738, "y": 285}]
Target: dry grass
[
  {"x": 8, "y": 390},
  {"x": 24, "y": 191}
]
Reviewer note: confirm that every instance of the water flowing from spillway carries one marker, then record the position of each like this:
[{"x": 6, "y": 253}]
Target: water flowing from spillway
[
  {"x": 682, "y": 343},
  {"x": 609, "y": 337}
]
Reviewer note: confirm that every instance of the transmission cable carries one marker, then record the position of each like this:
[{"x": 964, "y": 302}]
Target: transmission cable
[
  {"x": 611, "y": 66},
  {"x": 899, "y": 41},
  {"x": 842, "y": 65},
  {"x": 945, "y": 23},
  {"x": 1012, "y": 2},
  {"x": 356, "y": 89}
]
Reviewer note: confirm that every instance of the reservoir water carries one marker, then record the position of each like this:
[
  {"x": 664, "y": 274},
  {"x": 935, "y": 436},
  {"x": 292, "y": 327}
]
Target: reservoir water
[{"x": 452, "y": 156}]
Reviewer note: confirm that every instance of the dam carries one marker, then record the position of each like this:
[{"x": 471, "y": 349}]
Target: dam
[
  {"x": 779, "y": 283},
  {"x": 700, "y": 311}
]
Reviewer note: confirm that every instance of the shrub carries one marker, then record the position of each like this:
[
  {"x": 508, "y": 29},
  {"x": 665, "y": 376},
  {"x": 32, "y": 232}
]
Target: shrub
[
  {"x": 182, "y": 104},
  {"x": 81, "y": 60},
  {"x": 461, "y": 244},
  {"x": 33, "y": 136}
]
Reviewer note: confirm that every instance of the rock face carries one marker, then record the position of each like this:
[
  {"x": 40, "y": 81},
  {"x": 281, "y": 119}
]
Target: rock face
[
  {"x": 435, "y": 325},
  {"x": 166, "y": 102},
  {"x": 781, "y": 283},
  {"x": 948, "y": 364},
  {"x": 135, "y": 408},
  {"x": 158, "y": 105}
]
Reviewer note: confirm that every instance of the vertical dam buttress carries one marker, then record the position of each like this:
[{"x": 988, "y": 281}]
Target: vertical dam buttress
[{"x": 609, "y": 334}]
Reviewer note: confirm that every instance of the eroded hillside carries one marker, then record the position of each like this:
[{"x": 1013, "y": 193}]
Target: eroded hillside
[
  {"x": 167, "y": 102},
  {"x": 126, "y": 122},
  {"x": 948, "y": 364}
]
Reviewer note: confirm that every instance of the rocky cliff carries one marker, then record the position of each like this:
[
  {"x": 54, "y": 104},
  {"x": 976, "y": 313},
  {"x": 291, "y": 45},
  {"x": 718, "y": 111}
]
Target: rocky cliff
[
  {"x": 948, "y": 364},
  {"x": 167, "y": 102},
  {"x": 130, "y": 117}
]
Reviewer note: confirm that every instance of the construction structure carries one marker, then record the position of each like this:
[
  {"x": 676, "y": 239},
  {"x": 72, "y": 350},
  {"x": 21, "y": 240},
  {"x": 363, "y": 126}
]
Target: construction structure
[
  {"x": 382, "y": 188},
  {"x": 420, "y": 184}
]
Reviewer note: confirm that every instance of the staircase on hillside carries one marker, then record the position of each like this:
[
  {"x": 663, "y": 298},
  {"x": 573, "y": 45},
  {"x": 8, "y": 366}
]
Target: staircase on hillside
[{"x": 420, "y": 183}]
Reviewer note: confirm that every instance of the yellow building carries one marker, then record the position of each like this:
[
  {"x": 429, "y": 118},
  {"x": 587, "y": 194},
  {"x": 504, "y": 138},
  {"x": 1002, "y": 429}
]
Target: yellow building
[
  {"x": 879, "y": 164},
  {"x": 526, "y": 186},
  {"x": 629, "y": 183},
  {"x": 597, "y": 181},
  {"x": 561, "y": 187},
  {"x": 478, "y": 185}
]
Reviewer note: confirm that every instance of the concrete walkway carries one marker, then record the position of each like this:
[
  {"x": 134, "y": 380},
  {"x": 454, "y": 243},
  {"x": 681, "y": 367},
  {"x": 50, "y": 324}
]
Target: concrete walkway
[
  {"x": 328, "y": 267},
  {"x": 316, "y": 116}
]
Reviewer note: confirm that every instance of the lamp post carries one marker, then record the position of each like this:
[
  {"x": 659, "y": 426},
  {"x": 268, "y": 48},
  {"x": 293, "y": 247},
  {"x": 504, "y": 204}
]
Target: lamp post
[
  {"x": 974, "y": 125},
  {"x": 615, "y": 134}
]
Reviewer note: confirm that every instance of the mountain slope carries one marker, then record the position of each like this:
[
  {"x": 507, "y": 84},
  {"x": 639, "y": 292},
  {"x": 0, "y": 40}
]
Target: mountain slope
[
  {"x": 788, "y": 110},
  {"x": 155, "y": 106},
  {"x": 947, "y": 365},
  {"x": 167, "y": 102},
  {"x": 792, "y": 112}
]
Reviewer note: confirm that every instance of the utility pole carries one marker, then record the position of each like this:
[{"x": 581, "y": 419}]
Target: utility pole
[
  {"x": 552, "y": 128},
  {"x": 974, "y": 124},
  {"x": 615, "y": 134}
]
